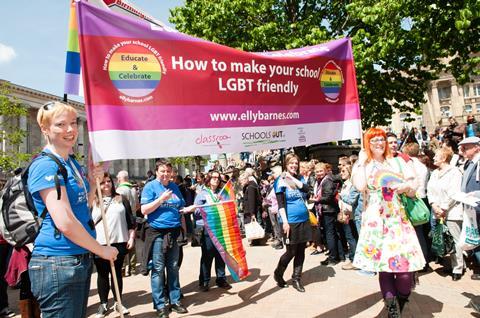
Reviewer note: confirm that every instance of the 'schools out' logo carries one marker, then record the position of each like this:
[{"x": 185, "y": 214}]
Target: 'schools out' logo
[
  {"x": 134, "y": 70},
  {"x": 331, "y": 81}
]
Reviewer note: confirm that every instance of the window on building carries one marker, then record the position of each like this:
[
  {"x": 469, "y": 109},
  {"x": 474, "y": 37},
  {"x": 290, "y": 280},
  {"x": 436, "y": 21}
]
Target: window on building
[
  {"x": 477, "y": 108},
  {"x": 466, "y": 91},
  {"x": 468, "y": 109},
  {"x": 445, "y": 110},
  {"x": 476, "y": 90},
  {"x": 444, "y": 92}
]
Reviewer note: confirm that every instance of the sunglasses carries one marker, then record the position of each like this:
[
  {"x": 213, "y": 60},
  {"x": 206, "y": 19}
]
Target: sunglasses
[{"x": 48, "y": 106}]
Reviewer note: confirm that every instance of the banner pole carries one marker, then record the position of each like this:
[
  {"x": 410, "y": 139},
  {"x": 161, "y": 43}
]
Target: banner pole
[{"x": 107, "y": 239}]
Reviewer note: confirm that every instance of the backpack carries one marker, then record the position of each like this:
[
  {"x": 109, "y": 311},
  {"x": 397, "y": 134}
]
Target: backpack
[{"x": 19, "y": 220}]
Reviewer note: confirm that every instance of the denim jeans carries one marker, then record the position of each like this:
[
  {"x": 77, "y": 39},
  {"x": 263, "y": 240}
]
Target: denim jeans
[
  {"x": 332, "y": 228},
  {"x": 61, "y": 284},
  {"x": 161, "y": 260},
  {"x": 209, "y": 252},
  {"x": 350, "y": 237}
]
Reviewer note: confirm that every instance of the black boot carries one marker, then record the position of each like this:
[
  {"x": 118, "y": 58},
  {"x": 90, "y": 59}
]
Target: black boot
[
  {"x": 296, "y": 283},
  {"x": 402, "y": 300},
  {"x": 278, "y": 276},
  {"x": 393, "y": 309}
]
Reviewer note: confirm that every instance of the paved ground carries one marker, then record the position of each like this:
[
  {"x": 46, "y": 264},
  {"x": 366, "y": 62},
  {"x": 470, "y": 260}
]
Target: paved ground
[{"x": 330, "y": 292}]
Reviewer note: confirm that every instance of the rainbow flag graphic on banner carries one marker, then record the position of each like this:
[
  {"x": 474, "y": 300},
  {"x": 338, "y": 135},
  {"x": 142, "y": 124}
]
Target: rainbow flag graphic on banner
[
  {"x": 331, "y": 81},
  {"x": 73, "y": 76},
  {"x": 227, "y": 193},
  {"x": 222, "y": 226}
]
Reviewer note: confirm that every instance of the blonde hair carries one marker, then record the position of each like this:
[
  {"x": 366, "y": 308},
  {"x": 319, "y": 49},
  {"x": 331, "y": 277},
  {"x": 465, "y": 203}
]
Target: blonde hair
[
  {"x": 446, "y": 152},
  {"x": 323, "y": 166},
  {"x": 51, "y": 109}
]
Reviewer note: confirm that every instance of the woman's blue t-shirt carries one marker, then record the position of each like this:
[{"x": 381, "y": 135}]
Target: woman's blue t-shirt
[
  {"x": 41, "y": 176},
  {"x": 295, "y": 204},
  {"x": 167, "y": 215}
]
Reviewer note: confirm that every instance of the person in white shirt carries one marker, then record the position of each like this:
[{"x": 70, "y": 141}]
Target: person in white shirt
[
  {"x": 444, "y": 183},
  {"x": 421, "y": 178},
  {"x": 128, "y": 191},
  {"x": 121, "y": 235}
]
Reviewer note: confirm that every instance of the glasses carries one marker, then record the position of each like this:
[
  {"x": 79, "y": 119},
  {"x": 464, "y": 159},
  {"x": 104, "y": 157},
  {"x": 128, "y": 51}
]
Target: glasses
[
  {"x": 377, "y": 140},
  {"x": 213, "y": 177}
]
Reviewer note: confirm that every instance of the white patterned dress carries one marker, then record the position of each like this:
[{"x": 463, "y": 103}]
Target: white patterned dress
[{"x": 387, "y": 240}]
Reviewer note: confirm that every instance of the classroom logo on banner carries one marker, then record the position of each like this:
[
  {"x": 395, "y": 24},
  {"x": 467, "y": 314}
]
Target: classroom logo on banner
[
  {"x": 331, "y": 81},
  {"x": 135, "y": 69}
]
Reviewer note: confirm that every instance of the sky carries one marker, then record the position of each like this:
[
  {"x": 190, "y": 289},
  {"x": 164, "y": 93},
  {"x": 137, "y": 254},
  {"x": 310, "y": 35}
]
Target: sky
[{"x": 33, "y": 39}]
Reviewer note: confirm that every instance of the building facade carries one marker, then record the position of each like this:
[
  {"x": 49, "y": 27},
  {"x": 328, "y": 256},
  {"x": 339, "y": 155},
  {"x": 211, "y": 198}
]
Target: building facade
[
  {"x": 445, "y": 98},
  {"x": 34, "y": 141}
]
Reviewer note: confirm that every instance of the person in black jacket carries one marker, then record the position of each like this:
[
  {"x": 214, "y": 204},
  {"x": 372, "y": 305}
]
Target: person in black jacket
[
  {"x": 326, "y": 206},
  {"x": 252, "y": 199}
]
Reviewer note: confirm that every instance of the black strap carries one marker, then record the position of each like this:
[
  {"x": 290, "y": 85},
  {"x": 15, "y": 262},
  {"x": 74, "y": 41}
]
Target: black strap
[{"x": 61, "y": 170}]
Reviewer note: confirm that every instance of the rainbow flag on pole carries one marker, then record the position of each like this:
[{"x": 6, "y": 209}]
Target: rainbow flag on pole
[
  {"x": 220, "y": 221},
  {"x": 73, "y": 75},
  {"x": 227, "y": 193}
]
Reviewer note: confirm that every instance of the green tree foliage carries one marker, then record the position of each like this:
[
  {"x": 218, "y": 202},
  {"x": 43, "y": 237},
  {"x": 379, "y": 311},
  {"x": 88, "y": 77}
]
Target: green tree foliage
[
  {"x": 11, "y": 136},
  {"x": 398, "y": 45}
]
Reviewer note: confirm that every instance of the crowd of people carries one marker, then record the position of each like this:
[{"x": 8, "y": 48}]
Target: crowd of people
[{"x": 302, "y": 206}]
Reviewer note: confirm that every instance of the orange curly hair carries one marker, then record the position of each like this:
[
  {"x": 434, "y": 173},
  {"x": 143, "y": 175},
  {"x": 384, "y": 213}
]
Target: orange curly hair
[{"x": 371, "y": 133}]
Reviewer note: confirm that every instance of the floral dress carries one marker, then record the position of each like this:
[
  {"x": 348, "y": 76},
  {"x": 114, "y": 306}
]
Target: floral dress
[{"x": 387, "y": 240}]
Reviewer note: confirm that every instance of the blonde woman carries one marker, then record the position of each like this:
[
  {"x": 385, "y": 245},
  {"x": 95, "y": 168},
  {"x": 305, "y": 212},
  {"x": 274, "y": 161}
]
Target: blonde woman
[{"x": 67, "y": 236}]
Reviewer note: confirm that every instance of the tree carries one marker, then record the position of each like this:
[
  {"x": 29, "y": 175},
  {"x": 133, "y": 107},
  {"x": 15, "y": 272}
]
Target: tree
[
  {"x": 398, "y": 45},
  {"x": 11, "y": 135}
]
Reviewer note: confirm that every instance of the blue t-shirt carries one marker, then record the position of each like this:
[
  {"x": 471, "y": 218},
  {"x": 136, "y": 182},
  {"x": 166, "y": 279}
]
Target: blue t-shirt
[
  {"x": 41, "y": 177},
  {"x": 167, "y": 215},
  {"x": 470, "y": 132},
  {"x": 295, "y": 204}
]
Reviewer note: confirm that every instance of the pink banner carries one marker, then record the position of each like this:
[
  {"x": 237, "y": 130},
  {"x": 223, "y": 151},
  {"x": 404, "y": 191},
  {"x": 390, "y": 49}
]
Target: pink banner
[{"x": 138, "y": 77}]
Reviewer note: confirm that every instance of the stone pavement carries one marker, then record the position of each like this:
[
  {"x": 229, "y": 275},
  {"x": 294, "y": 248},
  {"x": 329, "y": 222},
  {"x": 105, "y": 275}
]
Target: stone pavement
[{"x": 330, "y": 292}]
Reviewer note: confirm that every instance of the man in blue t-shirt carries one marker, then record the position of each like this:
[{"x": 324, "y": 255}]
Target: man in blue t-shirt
[{"x": 161, "y": 203}]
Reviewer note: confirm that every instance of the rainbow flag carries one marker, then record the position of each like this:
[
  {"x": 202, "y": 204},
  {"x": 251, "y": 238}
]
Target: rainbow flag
[
  {"x": 227, "y": 193},
  {"x": 73, "y": 75},
  {"x": 220, "y": 221}
]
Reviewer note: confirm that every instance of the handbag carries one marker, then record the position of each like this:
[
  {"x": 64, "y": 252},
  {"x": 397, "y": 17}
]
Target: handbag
[
  {"x": 312, "y": 218},
  {"x": 253, "y": 231},
  {"x": 343, "y": 217},
  {"x": 469, "y": 237},
  {"x": 442, "y": 240},
  {"x": 416, "y": 210}
]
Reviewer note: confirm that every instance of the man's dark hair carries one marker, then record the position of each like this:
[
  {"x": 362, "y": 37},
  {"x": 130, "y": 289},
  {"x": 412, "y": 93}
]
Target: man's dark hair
[
  {"x": 391, "y": 134},
  {"x": 162, "y": 162}
]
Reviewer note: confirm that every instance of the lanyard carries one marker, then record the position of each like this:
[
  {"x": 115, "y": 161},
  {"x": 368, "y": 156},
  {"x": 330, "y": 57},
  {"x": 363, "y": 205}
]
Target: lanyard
[{"x": 78, "y": 177}]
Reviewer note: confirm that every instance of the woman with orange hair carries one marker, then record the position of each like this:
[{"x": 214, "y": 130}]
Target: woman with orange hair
[{"x": 387, "y": 243}]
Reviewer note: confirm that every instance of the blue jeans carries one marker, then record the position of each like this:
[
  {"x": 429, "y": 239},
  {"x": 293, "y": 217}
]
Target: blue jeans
[
  {"x": 61, "y": 284},
  {"x": 209, "y": 252},
  {"x": 352, "y": 242},
  {"x": 161, "y": 260}
]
